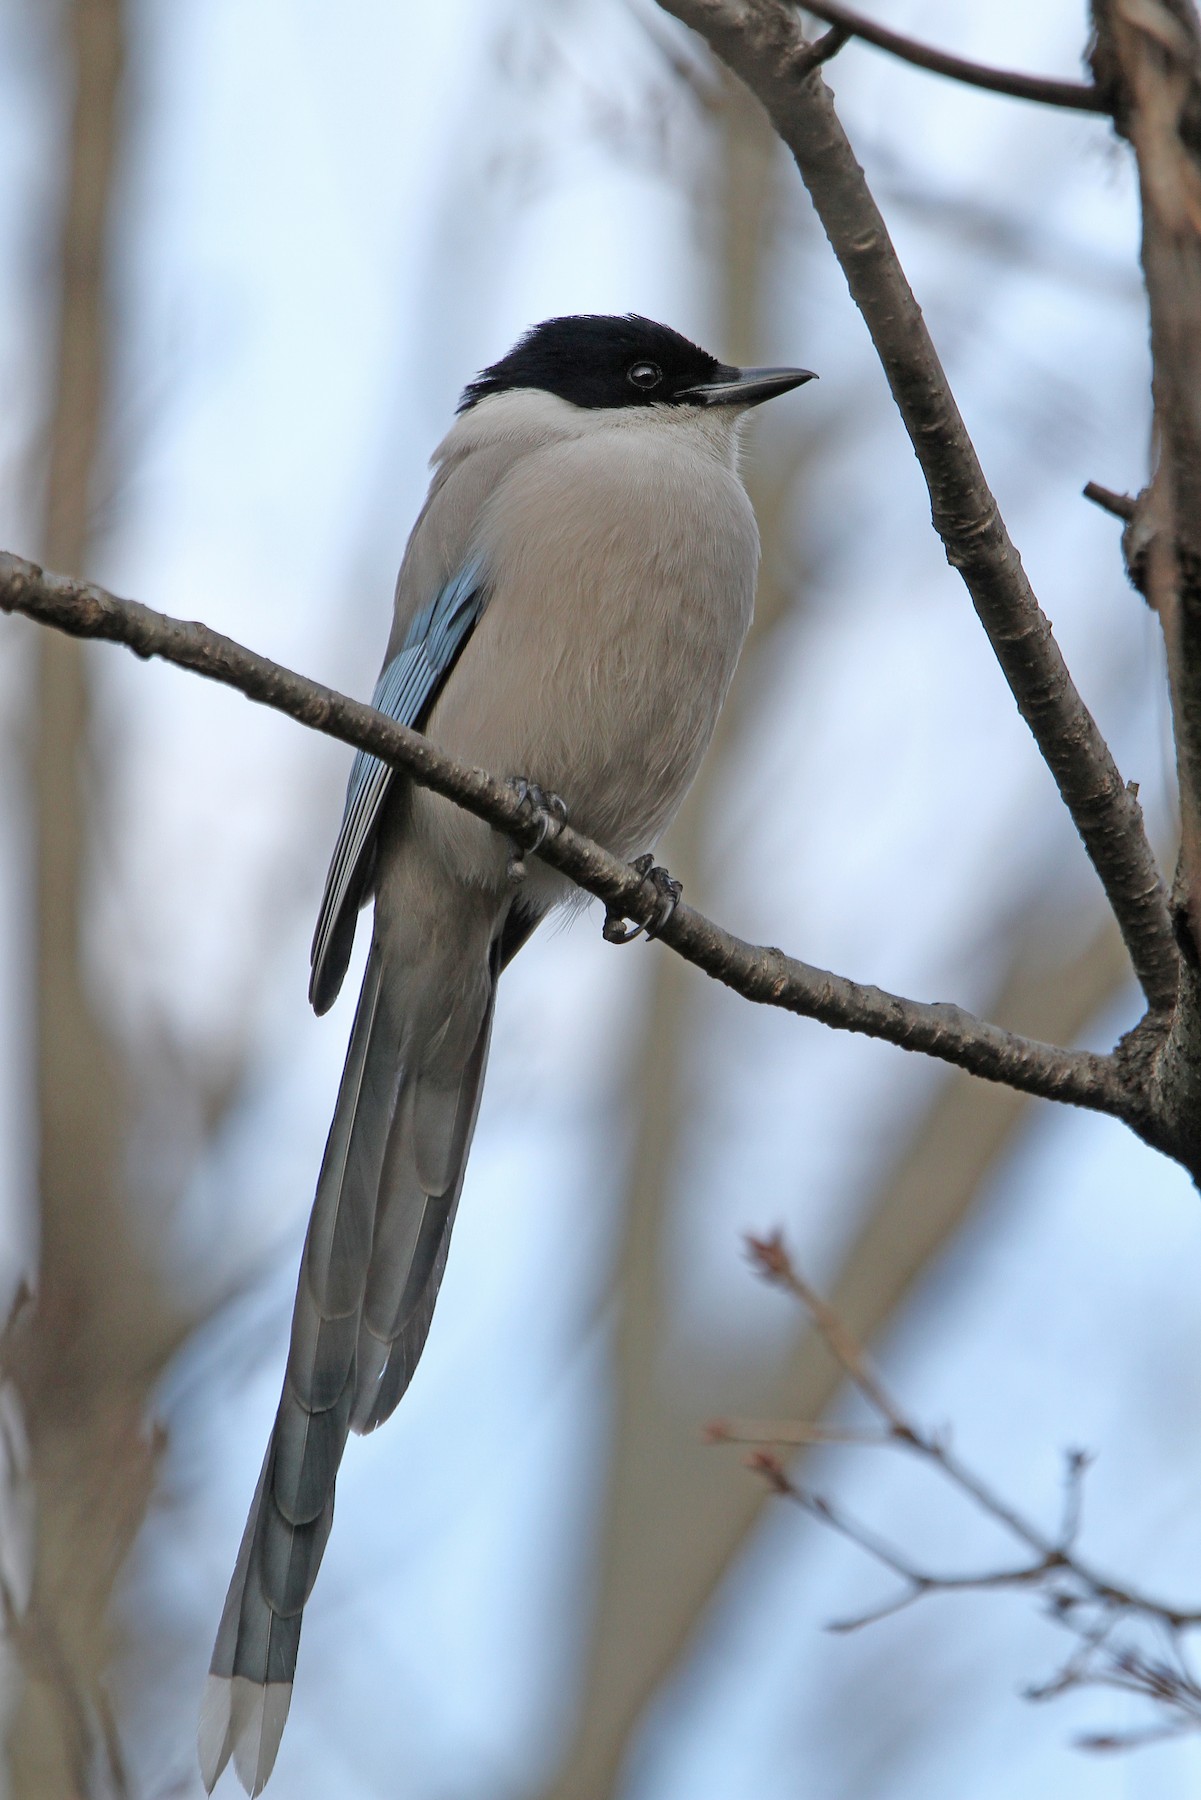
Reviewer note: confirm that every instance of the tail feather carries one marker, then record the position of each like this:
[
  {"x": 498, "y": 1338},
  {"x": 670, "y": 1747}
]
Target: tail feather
[
  {"x": 401, "y": 1354},
  {"x": 249, "y": 1687},
  {"x": 338, "y": 1246},
  {"x": 386, "y": 1310},
  {"x": 413, "y": 1228},
  {"x": 225, "y": 1650},
  {"x": 320, "y": 1356},
  {"x": 388, "y": 1302},
  {"x": 397, "y": 1225},
  {"x": 244, "y": 1719},
  {"x": 289, "y": 1557},
  {"x": 439, "y": 1113},
  {"x": 373, "y": 1260},
  {"x": 307, "y": 1447},
  {"x": 254, "y": 1657}
]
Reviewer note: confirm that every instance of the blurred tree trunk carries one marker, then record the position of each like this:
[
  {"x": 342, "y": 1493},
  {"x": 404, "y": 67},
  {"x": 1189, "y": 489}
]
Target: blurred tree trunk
[
  {"x": 678, "y": 1513},
  {"x": 100, "y": 1329},
  {"x": 664, "y": 1513}
]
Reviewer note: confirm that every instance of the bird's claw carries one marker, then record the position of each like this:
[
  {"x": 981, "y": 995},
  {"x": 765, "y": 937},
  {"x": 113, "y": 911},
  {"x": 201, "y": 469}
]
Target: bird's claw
[
  {"x": 668, "y": 889},
  {"x": 543, "y": 815}
]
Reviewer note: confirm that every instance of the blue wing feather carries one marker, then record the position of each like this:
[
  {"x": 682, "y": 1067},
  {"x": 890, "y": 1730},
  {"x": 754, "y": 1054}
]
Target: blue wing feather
[{"x": 403, "y": 691}]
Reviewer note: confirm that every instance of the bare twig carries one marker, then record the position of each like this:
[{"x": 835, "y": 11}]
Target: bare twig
[
  {"x": 788, "y": 1431},
  {"x": 824, "y": 47},
  {"x": 916, "y": 1209},
  {"x": 1079, "y": 1597},
  {"x": 1080, "y": 95},
  {"x": 773, "y": 1261},
  {"x": 761, "y": 40},
  {"x": 759, "y": 973},
  {"x": 1076, "y": 1466}
]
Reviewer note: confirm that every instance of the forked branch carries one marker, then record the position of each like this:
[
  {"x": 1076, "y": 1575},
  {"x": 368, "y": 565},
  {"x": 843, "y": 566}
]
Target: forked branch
[
  {"x": 1080, "y": 96},
  {"x": 1104, "y": 1615},
  {"x": 762, "y": 42}
]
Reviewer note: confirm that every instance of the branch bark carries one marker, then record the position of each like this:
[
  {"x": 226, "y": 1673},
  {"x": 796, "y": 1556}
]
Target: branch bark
[
  {"x": 759, "y": 973},
  {"x": 761, "y": 41},
  {"x": 1080, "y": 96},
  {"x": 1149, "y": 55}
]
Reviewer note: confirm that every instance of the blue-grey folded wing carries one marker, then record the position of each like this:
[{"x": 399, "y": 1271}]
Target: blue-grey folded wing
[{"x": 405, "y": 691}]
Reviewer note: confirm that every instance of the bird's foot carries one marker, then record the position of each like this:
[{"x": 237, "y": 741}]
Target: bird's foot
[
  {"x": 668, "y": 891},
  {"x": 543, "y": 815}
]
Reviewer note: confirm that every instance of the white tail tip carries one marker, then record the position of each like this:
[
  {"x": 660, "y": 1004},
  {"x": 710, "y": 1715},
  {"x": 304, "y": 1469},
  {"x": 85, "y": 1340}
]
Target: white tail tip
[{"x": 244, "y": 1719}]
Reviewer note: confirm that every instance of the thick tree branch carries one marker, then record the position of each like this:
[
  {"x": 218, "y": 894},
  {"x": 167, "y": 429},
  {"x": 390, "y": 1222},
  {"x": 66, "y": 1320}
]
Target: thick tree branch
[
  {"x": 1080, "y": 95},
  {"x": 1149, "y": 56},
  {"x": 762, "y": 42},
  {"x": 759, "y": 973}
]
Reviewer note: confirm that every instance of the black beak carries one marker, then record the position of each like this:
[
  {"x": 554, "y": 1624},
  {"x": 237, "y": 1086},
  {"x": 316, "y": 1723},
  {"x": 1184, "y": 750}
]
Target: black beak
[{"x": 745, "y": 387}]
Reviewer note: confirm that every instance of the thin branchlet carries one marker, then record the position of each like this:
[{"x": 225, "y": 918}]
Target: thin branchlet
[
  {"x": 1077, "y": 96},
  {"x": 1102, "y": 1612}
]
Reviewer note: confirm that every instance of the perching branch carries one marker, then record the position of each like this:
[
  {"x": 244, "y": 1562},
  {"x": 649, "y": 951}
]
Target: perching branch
[
  {"x": 1097, "y": 1609},
  {"x": 759, "y": 973},
  {"x": 762, "y": 42},
  {"x": 1080, "y": 95}
]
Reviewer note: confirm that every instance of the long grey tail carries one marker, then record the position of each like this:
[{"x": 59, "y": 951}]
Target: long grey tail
[{"x": 373, "y": 1261}]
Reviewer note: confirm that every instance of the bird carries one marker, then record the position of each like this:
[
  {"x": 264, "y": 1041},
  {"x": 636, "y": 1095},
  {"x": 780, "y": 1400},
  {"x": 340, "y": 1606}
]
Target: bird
[{"x": 569, "y": 612}]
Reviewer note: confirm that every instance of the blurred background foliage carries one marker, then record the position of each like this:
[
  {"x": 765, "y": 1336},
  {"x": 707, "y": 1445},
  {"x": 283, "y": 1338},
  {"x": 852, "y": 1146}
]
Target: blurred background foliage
[{"x": 250, "y": 250}]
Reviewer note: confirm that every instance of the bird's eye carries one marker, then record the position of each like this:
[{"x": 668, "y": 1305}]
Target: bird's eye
[{"x": 644, "y": 375}]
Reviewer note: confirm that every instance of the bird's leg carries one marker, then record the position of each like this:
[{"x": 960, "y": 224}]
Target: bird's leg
[
  {"x": 668, "y": 889},
  {"x": 543, "y": 815}
]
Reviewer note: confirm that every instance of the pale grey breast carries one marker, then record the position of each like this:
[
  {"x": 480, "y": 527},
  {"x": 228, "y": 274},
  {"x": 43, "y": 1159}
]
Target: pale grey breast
[{"x": 622, "y": 560}]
